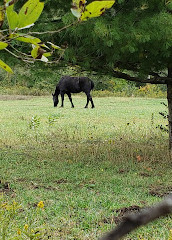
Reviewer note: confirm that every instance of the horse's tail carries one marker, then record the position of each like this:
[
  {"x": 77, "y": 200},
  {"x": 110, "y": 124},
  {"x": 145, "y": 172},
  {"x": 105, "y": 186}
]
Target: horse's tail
[{"x": 92, "y": 84}]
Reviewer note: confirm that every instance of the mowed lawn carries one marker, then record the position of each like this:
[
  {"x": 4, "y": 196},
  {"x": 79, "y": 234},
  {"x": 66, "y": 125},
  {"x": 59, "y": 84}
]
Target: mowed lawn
[{"x": 85, "y": 164}]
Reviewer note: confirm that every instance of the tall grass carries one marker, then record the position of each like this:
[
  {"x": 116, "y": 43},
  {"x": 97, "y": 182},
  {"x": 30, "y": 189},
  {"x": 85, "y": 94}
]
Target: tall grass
[{"x": 84, "y": 163}]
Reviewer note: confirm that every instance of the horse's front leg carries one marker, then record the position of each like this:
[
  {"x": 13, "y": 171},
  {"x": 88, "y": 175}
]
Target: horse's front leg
[
  {"x": 62, "y": 97},
  {"x": 70, "y": 98}
]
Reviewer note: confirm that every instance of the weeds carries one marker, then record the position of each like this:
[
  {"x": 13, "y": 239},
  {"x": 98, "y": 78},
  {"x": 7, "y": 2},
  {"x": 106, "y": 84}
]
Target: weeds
[
  {"x": 52, "y": 119},
  {"x": 164, "y": 114},
  {"x": 10, "y": 227},
  {"x": 34, "y": 123}
]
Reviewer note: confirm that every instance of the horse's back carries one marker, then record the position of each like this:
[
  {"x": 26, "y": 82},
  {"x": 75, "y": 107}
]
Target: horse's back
[
  {"x": 75, "y": 84},
  {"x": 69, "y": 84}
]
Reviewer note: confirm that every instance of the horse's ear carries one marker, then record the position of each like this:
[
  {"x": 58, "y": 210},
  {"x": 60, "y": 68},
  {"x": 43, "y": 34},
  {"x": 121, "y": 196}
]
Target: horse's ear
[{"x": 52, "y": 94}]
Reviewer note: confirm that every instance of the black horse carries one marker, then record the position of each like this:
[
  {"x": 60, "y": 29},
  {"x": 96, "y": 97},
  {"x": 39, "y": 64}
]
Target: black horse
[{"x": 70, "y": 85}]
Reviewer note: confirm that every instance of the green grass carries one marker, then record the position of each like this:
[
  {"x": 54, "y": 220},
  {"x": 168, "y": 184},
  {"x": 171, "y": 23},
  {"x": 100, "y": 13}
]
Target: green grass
[{"x": 83, "y": 163}]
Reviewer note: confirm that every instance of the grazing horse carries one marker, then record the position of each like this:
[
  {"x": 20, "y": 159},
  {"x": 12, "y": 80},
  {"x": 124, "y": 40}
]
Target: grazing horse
[{"x": 70, "y": 85}]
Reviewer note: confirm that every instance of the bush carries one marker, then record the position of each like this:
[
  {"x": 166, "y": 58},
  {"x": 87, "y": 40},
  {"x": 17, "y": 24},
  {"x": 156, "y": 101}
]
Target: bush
[{"x": 151, "y": 90}]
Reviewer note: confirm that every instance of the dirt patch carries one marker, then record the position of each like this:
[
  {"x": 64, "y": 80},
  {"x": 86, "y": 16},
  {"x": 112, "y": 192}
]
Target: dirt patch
[
  {"x": 60, "y": 181},
  {"x": 160, "y": 190},
  {"x": 144, "y": 174},
  {"x": 5, "y": 187},
  {"x": 123, "y": 171},
  {"x": 121, "y": 214},
  {"x": 21, "y": 180},
  {"x": 14, "y": 97},
  {"x": 88, "y": 184},
  {"x": 38, "y": 186}
]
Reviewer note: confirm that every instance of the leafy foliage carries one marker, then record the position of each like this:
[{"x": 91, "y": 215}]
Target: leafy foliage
[
  {"x": 133, "y": 36},
  {"x": 5, "y": 67},
  {"x": 34, "y": 123},
  {"x": 94, "y": 9},
  {"x": 26, "y": 16}
]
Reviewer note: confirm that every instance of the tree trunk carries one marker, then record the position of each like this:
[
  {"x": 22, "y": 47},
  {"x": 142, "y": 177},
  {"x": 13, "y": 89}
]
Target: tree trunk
[{"x": 169, "y": 98}]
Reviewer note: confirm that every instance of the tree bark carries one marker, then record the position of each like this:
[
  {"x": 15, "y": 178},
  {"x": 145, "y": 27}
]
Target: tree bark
[{"x": 169, "y": 99}]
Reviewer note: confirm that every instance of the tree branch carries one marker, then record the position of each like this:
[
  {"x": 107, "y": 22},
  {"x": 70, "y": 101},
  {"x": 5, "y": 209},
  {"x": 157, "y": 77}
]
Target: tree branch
[
  {"x": 58, "y": 60},
  {"x": 27, "y": 58},
  {"x": 57, "y": 31},
  {"x": 156, "y": 79},
  {"x": 21, "y": 53},
  {"x": 134, "y": 221}
]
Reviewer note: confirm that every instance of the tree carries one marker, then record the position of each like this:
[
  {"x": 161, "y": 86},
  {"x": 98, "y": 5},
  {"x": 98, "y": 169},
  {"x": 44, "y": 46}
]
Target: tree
[{"x": 132, "y": 41}]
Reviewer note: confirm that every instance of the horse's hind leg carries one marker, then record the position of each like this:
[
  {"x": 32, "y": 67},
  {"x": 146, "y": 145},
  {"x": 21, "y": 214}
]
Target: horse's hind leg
[
  {"x": 70, "y": 98},
  {"x": 89, "y": 98},
  {"x": 87, "y": 101}
]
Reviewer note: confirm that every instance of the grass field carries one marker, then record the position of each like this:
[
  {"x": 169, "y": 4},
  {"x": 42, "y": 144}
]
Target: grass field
[{"x": 85, "y": 164}]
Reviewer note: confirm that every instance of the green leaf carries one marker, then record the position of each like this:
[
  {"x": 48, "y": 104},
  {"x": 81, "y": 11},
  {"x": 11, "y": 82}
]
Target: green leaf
[
  {"x": 54, "y": 46},
  {"x": 12, "y": 17},
  {"x": 35, "y": 52},
  {"x": 5, "y": 67},
  {"x": 96, "y": 9},
  {"x": 38, "y": 53},
  {"x": 30, "y": 12},
  {"x": 3, "y": 45},
  {"x": 25, "y": 38},
  {"x": 47, "y": 54}
]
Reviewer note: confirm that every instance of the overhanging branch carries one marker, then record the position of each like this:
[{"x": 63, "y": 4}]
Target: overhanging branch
[
  {"x": 155, "y": 79},
  {"x": 57, "y": 31}
]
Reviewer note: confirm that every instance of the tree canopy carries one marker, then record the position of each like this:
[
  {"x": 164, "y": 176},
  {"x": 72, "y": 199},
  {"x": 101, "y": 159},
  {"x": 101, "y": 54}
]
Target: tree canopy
[
  {"x": 133, "y": 36},
  {"x": 133, "y": 41}
]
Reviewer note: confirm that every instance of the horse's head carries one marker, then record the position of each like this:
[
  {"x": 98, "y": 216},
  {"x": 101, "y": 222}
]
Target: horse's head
[{"x": 55, "y": 99}]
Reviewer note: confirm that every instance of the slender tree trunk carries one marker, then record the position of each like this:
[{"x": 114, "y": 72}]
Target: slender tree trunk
[{"x": 169, "y": 98}]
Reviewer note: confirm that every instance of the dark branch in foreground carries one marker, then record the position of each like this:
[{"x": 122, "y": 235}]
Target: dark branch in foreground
[
  {"x": 156, "y": 79},
  {"x": 134, "y": 221}
]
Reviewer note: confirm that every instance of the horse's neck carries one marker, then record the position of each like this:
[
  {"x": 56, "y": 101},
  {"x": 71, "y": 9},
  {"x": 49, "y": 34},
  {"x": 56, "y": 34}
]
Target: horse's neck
[{"x": 57, "y": 91}]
